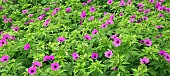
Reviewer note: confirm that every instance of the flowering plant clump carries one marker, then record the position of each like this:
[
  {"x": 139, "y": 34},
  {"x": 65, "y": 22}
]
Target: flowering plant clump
[{"x": 84, "y": 37}]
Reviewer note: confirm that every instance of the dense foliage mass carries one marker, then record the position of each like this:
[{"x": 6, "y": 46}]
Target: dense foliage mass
[{"x": 85, "y": 37}]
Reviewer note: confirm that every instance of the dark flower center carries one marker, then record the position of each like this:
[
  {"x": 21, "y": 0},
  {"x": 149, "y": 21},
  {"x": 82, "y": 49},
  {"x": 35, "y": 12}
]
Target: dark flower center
[
  {"x": 5, "y": 59},
  {"x": 167, "y": 57},
  {"x": 147, "y": 42},
  {"x": 51, "y": 59},
  {"x": 117, "y": 42},
  {"x": 104, "y": 25},
  {"x": 32, "y": 71},
  {"x": 109, "y": 54},
  {"x": 87, "y": 38},
  {"x": 2, "y": 42},
  {"x": 76, "y": 57},
  {"x": 55, "y": 66},
  {"x": 95, "y": 56}
]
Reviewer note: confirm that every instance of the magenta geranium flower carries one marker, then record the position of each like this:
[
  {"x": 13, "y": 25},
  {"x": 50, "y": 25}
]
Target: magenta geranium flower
[
  {"x": 131, "y": 20},
  {"x": 121, "y": 14},
  {"x": 87, "y": 37},
  {"x": 159, "y": 27},
  {"x": 91, "y": 18},
  {"x": 24, "y": 11},
  {"x": 140, "y": 10},
  {"x": 117, "y": 42},
  {"x": 108, "y": 54},
  {"x": 145, "y": 18},
  {"x": 167, "y": 57},
  {"x": 111, "y": 17},
  {"x": 140, "y": 5},
  {"x": 36, "y": 64},
  {"x": 168, "y": 10},
  {"x": 148, "y": 42},
  {"x": 92, "y": 9},
  {"x": 162, "y": 53},
  {"x": 75, "y": 56},
  {"x": 109, "y": 21},
  {"x": 27, "y": 47},
  {"x": 68, "y": 9},
  {"x": 31, "y": 21},
  {"x": 9, "y": 19},
  {"x": 32, "y": 70},
  {"x": 129, "y": 2},
  {"x": 114, "y": 36},
  {"x": 133, "y": 16},
  {"x": 55, "y": 66},
  {"x": 47, "y": 22},
  {"x": 109, "y": 1},
  {"x": 4, "y": 16},
  {"x": 83, "y": 14},
  {"x": 94, "y": 55},
  {"x": 13, "y": 38},
  {"x": 122, "y": 3},
  {"x": 161, "y": 15},
  {"x": 51, "y": 57},
  {"x": 103, "y": 25},
  {"x": 158, "y": 4},
  {"x": 41, "y": 17},
  {"x": 5, "y": 20},
  {"x": 88, "y": 1},
  {"x": 3, "y": 42},
  {"x": 30, "y": 15},
  {"x": 95, "y": 31},
  {"x": 144, "y": 60},
  {"x": 46, "y": 58},
  {"x": 146, "y": 11},
  {"x": 16, "y": 28},
  {"x": 151, "y": 1},
  {"x": 84, "y": 3},
  {"x": 46, "y": 9},
  {"x": 6, "y": 36},
  {"x": 4, "y": 58},
  {"x": 160, "y": 8},
  {"x": 61, "y": 39}
]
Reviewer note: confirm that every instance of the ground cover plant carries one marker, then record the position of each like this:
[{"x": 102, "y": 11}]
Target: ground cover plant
[{"x": 85, "y": 37}]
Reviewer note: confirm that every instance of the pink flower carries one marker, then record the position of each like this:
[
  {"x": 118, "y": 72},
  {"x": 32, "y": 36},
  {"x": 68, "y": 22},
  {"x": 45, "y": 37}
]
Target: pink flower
[
  {"x": 27, "y": 47},
  {"x": 92, "y": 9},
  {"x": 91, "y": 18},
  {"x": 47, "y": 22},
  {"x": 144, "y": 60},
  {"x": 30, "y": 15},
  {"x": 68, "y": 9},
  {"x": 95, "y": 31},
  {"x": 24, "y": 11},
  {"x": 148, "y": 42},
  {"x": 109, "y": 1},
  {"x": 16, "y": 28},
  {"x": 46, "y": 9},
  {"x": 83, "y": 14},
  {"x": 87, "y": 37},
  {"x": 61, "y": 39}
]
